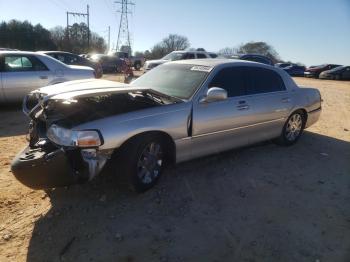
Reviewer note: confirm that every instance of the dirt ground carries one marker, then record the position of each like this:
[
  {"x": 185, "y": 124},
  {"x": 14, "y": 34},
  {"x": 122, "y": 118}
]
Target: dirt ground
[{"x": 260, "y": 203}]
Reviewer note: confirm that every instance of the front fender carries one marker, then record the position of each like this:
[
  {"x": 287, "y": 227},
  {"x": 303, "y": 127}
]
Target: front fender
[{"x": 171, "y": 119}]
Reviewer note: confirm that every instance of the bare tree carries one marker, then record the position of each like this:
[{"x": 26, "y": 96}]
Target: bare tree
[
  {"x": 260, "y": 48},
  {"x": 173, "y": 42},
  {"x": 228, "y": 51}
]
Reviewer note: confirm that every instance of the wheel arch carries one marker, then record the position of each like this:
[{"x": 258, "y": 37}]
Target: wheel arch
[
  {"x": 166, "y": 138},
  {"x": 303, "y": 111}
]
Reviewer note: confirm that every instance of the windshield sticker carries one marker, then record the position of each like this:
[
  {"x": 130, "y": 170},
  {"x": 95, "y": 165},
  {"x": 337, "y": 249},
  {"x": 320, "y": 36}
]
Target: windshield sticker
[{"x": 201, "y": 68}]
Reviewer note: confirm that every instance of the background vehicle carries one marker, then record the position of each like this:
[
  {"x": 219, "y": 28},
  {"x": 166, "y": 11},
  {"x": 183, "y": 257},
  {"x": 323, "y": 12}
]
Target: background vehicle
[
  {"x": 255, "y": 58},
  {"x": 315, "y": 71},
  {"x": 179, "y": 55},
  {"x": 178, "y": 111},
  {"x": 111, "y": 64},
  {"x": 136, "y": 62},
  {"x": 73, "y": 59},
  {"x": 295, "y": 70},
  {"x": 282, "y": 65},
  {"x": 22, "y": 72},
  {"x": 338, "y": 73}
]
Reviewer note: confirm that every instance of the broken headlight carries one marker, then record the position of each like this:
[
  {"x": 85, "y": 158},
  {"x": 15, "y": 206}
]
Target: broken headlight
[{"x": 80, "y": 138}]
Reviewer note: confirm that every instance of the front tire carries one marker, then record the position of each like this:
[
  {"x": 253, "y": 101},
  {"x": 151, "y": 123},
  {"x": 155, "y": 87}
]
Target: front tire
[
  {"x": 292, "y": 129},
  {"x": 143, "y": 162}
]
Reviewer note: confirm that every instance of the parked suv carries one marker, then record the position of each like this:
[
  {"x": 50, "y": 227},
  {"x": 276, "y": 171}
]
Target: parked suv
[
  {"x": 179, "y": 55},
  {"x": 255, "y": 58}
]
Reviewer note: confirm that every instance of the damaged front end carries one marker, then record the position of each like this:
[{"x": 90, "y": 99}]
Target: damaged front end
[{"x": 57, "y": 154}]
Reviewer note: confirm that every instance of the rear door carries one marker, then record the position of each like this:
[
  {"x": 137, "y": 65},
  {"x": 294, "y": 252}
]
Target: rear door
[
  {"x": 22, "y": 74},
  {"x": 270, "y": 102},
  {"x": 346, "y": 73},
  {"x": 2, "y": 95}
]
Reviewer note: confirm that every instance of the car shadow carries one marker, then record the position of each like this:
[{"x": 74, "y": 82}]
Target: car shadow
[
  {"x": 259, "y": 203},
  {"x": 13, "y": 121}
]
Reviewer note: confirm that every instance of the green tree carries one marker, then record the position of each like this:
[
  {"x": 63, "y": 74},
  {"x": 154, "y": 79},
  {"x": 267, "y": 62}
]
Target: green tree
[{"x": 24, "y": 36}]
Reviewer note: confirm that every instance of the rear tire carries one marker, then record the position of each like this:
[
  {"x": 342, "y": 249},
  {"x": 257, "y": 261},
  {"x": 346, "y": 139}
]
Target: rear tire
[
  {"x": 143, "y": 161},
  {"x": 292, "y": 129}
]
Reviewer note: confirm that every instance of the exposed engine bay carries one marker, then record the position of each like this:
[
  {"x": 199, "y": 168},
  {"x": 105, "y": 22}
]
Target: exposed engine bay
[{"x": 71, "y": 163}]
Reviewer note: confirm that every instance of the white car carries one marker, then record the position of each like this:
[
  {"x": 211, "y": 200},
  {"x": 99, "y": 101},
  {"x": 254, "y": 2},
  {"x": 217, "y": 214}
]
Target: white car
[
  {"x": 178, "y": 55},
  {"x": 22, "y": 72}
]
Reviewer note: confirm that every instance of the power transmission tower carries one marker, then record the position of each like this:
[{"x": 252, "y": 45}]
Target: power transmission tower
[
  {"x": 87, "y": 15},
  {"x": 123, "y": 32}
]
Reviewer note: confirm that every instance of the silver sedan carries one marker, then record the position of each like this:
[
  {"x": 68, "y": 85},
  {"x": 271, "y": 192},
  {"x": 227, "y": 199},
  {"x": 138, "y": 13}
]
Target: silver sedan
[
  {"x": 176, "y": 112},
  {"x": 23, "y": 72}
]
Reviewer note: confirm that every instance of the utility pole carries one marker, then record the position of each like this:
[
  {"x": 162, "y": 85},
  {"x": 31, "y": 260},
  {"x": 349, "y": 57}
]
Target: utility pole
[
  {"x": 123, "y": 31},
  {"x": 109, "y": 38},
  {"x": 88, "y": 24},
  {"x": 87, "y": 15},
  {"x": 67, "y": 31}
]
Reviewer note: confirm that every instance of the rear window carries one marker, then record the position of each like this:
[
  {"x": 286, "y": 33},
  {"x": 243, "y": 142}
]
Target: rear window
[{"x": 262, "y": 80}]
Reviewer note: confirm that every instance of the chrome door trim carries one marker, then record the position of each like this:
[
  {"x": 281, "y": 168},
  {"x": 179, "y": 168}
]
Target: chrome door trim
[{"x": 232, "y": 129}]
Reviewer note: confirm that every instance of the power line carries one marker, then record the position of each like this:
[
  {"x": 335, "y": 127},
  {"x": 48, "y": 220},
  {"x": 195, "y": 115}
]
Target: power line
[
  {"x": 87, "y": 15},
  {"x": 123, "y": 31}
]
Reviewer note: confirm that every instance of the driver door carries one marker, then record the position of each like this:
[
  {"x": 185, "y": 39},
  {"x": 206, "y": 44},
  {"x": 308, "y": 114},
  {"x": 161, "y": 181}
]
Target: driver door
[{"x": 221, "y": 125}]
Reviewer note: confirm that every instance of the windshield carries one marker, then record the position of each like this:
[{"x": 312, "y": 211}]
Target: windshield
[
  {"x": 173, "y": 56},
  {"x": 337, "y": 68},
  {"x": 177, "y": 80}
]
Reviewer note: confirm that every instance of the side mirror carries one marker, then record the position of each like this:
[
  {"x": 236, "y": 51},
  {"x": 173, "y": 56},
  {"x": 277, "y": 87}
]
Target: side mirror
[{"x": 214, "y": 94}]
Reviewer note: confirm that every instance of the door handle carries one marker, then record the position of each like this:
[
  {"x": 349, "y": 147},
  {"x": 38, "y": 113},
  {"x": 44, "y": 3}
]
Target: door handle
[
  {"x": 286, "y": 100},
  {"x": 43, "y": 77},
  {"x": 243, "y": 107}
]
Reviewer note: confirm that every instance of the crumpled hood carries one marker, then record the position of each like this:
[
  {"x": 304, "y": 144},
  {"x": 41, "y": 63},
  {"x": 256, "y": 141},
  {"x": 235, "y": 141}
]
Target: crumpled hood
[{"x": 79, "y": 85}]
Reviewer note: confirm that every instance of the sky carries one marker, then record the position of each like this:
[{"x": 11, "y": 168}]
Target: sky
[{"x": 307, "y": 31}]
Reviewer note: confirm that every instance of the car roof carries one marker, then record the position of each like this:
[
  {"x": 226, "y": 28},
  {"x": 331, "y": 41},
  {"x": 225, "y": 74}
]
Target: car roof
[
  {"x": 57, "y": 52},
  {"x": 20, "y": 52},
  {"x": 213, "y": 62},
  {"x": 194, "y": 51}
]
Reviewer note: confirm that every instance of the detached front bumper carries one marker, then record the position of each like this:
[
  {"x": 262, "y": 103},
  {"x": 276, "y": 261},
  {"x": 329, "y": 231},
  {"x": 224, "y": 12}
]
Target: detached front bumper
[{"x": 39, "y": 168}]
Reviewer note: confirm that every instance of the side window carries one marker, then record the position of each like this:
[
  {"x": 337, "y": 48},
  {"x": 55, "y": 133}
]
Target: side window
[
  {"x": 262, "y": 80},
  {"x": 213, "y": 55},
  {"x": 60, "y": 58},
  {"x": 199, "y": 55},
  {"x": 18, "y": 63},
  {"x": 189, "y": 56},
  {"x": 232, "y": 79},
  {"x": 37, "y": 64},
  {"x": 70, "y": 59}
]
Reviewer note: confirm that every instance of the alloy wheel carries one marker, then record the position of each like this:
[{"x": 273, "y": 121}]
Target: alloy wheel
[
  {"x": 294, "y": 127},
  {"x": 150, "y": 163}
]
